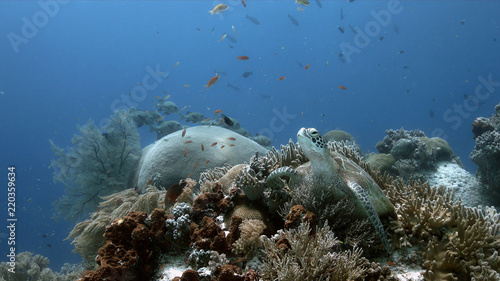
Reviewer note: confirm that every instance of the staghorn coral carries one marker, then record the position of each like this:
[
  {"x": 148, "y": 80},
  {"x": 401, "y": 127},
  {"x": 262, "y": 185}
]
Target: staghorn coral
[
  {"x": 312, "y": 257},
  {"x": 99, "y": 164},
  {"x": 457, "y": 242}
]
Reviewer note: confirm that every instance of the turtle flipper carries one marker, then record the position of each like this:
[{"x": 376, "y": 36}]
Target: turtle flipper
[
  {"x": 274, "y": 181},
  {"x": 362, "y": 196}
]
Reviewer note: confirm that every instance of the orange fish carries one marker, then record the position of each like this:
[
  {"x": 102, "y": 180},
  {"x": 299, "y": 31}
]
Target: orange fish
[
  {"x": 161, "y": 118},
  {"x": 202, "y": 147},
  {"x": 391, "y": 263},
  {"x": 231, "y": 138},
  {"x": 222, "y": 146},
  {"x": 215, "y": 143},
  {"x": 231, "y": 144},
  {"x": 173, "y": 193},
  {"x": 242, "y": 58},
  {"x": 212, "y": 81},
  {"x": 244, "y": 3},
  {"x": 281, "y": 78},
  {"x": 207, "y": 162},
  {"x": 342, "y": 87},
  {"x": 156, "y": 97},
  {"x": 149, "y": 182},
  {"x": 187, "y": 85},
  {"x": 220, "y": 122},
  {"x": 194, "y": 167},
  {"x": 307, "y": 66},
  {"x": 185, "y": 152},
  {"x": 208, "y": 119},
  {"x": 184, "y": 132},
  {"x": 196, "y": 163},
  {"x": 189, "y": 175},
  {"x": 218, "y": 111},
  {"x": 188, "y": 142}
]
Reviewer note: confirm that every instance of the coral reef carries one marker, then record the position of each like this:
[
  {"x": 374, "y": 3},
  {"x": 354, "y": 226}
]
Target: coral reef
[
  {"x": 230, "y": 232},
  {"x": 35, "y": 267},
  {"x": 100, "y": 163},
  {"x": 413, "y": 152},
  {"x": 486, "y": 153}
]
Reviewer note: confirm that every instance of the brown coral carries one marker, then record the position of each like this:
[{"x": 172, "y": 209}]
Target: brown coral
[
  {"x": 128, "y": 250},
  {"x": 298, "y": 215},
  {"x": 209, "y": 203}
]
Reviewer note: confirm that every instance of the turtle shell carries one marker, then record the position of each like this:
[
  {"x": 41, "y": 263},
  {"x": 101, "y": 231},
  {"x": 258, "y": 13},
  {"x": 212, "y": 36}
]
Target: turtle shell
[{"x": 348, "y": 171}]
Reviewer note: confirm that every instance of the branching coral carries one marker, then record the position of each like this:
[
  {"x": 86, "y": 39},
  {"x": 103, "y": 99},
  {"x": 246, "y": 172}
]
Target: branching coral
[
  {"x": 312, "y": 257},
  {"x": 98, "y": 164},
  {"x": 457, "y": 241}
]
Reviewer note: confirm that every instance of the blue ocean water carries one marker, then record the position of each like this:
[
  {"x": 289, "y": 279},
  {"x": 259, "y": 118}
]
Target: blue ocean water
[{"x": 428, "y": 65}]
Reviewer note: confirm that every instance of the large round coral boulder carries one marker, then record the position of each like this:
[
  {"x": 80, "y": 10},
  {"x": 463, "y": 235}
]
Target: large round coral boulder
[{"x": 187, "y": 154}]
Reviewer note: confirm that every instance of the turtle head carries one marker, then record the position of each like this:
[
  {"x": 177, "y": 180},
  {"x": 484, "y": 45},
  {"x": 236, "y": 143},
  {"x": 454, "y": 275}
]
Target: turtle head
[{"x": 312, "y": 143}]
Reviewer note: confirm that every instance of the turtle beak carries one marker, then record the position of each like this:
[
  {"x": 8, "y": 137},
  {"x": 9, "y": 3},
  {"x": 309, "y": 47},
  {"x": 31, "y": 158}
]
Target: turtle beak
[{"x": 301, "y": 133}]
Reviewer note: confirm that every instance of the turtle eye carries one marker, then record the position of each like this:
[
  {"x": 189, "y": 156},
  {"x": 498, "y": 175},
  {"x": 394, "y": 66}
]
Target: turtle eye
[{"x": 313, "y": 132}]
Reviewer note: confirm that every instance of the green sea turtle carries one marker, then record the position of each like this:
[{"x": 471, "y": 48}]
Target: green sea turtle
[{"x": 341, "y": 173}]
